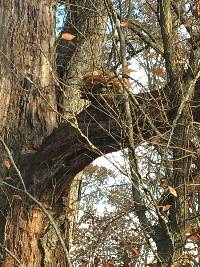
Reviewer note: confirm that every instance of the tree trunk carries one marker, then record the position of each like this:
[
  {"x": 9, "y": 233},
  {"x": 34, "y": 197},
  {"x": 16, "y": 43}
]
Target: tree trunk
[
  {"x": 86, "y": 20},
  {"x": 27, "y": 84},
  {"x": 28, "y": 96},
  {"x": 50, "y": 154}
]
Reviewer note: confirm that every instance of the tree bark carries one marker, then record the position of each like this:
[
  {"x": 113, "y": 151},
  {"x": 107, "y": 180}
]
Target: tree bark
[
  {"x": 26, "y": 61},
  {"x": 49, "y": 154},
  {"x": 84, "y": 56},
  {"x": 29, "y": 99}
]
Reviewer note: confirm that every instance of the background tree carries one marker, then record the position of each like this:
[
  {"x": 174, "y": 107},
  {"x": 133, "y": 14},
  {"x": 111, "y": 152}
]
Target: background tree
[{"x": 44, "y": 84}]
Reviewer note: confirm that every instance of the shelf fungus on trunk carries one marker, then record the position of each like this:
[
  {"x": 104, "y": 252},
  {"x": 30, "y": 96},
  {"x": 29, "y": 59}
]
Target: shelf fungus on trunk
[{"x": 102, "y": 88}]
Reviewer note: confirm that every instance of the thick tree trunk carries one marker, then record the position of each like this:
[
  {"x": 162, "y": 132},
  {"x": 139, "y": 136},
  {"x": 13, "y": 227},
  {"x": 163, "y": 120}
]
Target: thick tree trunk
[
  {"x": 51, "y": 157},
  {"x": 28, "y": 99},
  {"x": 27, "y": 43},
  {"x": 27, "y": 84},
  {"x": 86, "y": 20}
]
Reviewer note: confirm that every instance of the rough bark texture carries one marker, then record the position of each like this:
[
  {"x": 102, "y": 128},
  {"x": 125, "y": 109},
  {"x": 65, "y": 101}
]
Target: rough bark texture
[
  {"x": 28, "y": 99},
  {"x": 27, "y": 84},
  {"x": 85, "y": 55},
  {"x": 28, "y": 36},
  {"x": 49, "y": 155}
]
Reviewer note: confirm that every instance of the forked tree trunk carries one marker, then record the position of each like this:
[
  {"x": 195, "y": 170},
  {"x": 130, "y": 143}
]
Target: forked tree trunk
[
  {"x": 28, "y": 99},
  {"x": 51, "y": 157}
]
